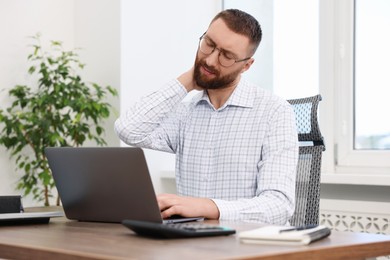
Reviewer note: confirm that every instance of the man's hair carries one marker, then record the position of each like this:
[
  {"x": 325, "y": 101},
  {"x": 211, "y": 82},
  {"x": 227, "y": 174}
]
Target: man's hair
[{"x": 242, "y": 23}]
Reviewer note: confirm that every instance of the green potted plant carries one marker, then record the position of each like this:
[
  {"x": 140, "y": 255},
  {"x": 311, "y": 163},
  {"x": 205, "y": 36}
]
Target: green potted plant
[{"x": 62, "y": 110}]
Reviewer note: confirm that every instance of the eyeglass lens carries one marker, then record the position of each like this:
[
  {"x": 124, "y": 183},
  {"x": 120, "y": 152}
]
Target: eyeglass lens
[{"x": 207, "y": 48}]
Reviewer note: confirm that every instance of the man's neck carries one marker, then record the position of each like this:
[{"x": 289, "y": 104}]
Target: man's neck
[{"x": 218, "y": 97}]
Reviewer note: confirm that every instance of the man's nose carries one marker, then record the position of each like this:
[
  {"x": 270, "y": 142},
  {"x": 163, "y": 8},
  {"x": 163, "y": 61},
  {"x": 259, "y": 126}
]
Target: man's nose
[{"x": 212, "y": 59}]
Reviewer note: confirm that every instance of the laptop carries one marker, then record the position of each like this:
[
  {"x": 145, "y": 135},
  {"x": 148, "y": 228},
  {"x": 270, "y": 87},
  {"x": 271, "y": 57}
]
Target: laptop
[{"x": 105, "y": 184}]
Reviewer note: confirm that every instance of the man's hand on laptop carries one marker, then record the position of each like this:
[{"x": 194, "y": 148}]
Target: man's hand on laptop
[{"x": 171, "y": 204}]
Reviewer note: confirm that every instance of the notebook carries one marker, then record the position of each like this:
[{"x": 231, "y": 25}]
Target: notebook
[
  {"x": 282, "y": 235},
  {"x": 105, "y": 184}
]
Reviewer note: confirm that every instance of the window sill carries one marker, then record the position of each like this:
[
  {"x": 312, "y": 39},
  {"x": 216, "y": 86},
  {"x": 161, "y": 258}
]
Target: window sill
[
  {"x": 356, "y": 179},
  {"x": 330, "y": 178},
  {"x": 167, "y": 175}
]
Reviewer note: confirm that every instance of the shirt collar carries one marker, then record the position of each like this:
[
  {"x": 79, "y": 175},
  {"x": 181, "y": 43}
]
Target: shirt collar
[{"x": 242, "y": 96}]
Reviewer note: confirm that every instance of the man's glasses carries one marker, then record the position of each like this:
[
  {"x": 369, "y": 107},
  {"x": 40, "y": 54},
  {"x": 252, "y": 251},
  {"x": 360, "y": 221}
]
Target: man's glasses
[{"x": 226, "y": 59}]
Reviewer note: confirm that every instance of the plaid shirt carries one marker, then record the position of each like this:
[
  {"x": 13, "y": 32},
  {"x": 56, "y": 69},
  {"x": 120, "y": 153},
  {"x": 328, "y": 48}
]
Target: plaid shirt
[{"x": 243, "y": 155}]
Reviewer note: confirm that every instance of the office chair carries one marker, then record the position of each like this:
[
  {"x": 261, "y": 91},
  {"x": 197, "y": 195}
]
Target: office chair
[{"x": 311, "y": 146}]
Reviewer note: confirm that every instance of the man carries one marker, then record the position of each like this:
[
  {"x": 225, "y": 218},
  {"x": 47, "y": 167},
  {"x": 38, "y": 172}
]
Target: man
[{"x": 235, "y": 144}]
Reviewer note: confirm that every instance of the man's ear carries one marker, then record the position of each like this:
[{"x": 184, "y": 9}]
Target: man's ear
[{"x": 247, "y": 65}]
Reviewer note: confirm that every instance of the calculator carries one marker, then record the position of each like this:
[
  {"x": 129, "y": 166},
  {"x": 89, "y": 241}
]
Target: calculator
[{"x": 177, "y": 230}]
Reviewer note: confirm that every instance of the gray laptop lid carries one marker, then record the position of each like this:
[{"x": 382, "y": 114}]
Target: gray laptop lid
[{"x": 107, "y": 184}]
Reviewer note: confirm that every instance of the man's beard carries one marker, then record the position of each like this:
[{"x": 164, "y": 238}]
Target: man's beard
[{"x": 217, "y": 82}]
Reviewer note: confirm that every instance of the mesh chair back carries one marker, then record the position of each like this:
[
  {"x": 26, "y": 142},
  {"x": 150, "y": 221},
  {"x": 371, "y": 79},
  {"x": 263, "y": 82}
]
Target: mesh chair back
[{"x": 307, "y": 193}]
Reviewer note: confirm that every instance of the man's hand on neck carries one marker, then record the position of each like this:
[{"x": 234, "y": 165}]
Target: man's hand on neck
[
  {"x": 187, "y": 80},
  {"x": 218, "y": 97}
]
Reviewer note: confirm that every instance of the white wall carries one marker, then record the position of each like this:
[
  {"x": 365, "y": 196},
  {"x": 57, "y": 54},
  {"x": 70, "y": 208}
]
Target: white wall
[
  {"x": 82, "y": 23},
  {"x": 159, "y": 42},
  {"x": 97, "y": 32}
]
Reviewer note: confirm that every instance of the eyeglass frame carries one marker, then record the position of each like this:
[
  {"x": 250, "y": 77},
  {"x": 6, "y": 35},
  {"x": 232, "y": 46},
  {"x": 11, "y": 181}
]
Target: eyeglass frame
[{"x": 219, "y": 54}]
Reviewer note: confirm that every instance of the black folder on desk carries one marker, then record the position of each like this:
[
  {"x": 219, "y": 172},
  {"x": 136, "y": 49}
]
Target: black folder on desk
[
  {"x": 28, "y": 217},
  {"x": 12, "y": 212}
]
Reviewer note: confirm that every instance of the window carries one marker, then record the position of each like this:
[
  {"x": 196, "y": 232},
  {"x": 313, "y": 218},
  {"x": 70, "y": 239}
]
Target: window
[
  {"x": 372, "y": 56},
  {"x": 361, "y": 86}
]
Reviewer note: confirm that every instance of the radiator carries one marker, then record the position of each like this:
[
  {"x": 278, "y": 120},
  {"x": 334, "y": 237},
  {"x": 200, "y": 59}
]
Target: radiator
[{"x": 356, "y": 216}]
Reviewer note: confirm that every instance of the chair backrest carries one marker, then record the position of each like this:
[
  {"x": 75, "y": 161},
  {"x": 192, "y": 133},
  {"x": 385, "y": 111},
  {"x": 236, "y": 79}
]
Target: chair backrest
[{"x": 307, "y": 193}]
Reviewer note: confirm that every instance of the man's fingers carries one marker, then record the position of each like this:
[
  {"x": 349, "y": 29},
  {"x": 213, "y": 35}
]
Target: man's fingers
[
  {"x": 168, "y": 212},
  {"x": 171, "y": 204},
  {"x": 166, "y": 201}
]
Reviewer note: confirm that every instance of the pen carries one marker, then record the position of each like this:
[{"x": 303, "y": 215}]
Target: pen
[{"x": 298, "y": 228}]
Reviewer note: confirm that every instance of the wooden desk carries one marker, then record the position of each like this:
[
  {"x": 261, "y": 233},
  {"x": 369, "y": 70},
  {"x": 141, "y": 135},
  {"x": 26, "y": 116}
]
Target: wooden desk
[{"x": 64, "y": 239}]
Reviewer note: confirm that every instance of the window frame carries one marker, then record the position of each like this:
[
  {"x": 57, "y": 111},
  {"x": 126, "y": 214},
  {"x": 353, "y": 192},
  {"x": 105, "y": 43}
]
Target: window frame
[{"x": 337, "y": 88}]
